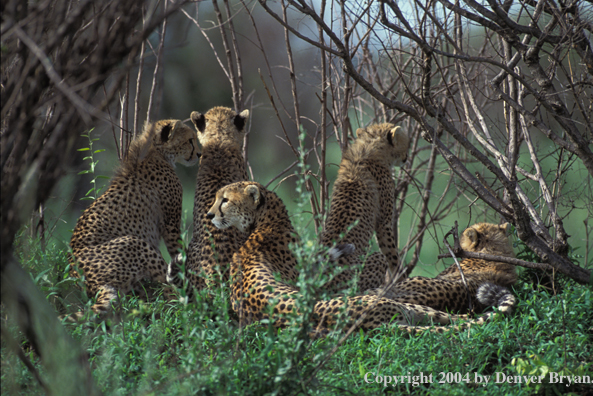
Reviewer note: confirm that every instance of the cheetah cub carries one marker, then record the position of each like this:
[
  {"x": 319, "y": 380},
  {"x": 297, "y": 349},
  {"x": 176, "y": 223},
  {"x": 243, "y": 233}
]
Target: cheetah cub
[
  {"x": 116, "y": 240},
  {"x": 364, "y": 192},
  {"x": 487, "y": 281},
  {"x": 221, "y": 132},
  {"x": 258, "y": 269}
]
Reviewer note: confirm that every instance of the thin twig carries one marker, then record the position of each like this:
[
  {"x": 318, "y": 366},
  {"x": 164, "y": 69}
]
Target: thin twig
[
  {"x": 271, "y": 98},
  {"x": 157, "y": 69},
  {"x": 139, "y": 85},
  {"x": 504, "y": 259},
  {"x": 457, "y": 249}
]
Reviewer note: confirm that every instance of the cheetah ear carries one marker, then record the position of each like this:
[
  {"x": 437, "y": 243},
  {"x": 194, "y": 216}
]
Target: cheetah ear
[
  {"x": 199, "y": 120},
  {"x": 241, "y": 119},
  {"x": 392, "y": 136},
  {"x": 505, "y": 227},
  {"x": 254, "y": 192},
  {"x": 360, "y": 132},
  {"x": 473, "y": 236},
  {"x": 166, "y": 132},
  {"x": 169, "y": 130}
]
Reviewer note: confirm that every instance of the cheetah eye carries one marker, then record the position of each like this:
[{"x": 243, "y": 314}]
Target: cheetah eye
[{"x": 225, "y": 200}]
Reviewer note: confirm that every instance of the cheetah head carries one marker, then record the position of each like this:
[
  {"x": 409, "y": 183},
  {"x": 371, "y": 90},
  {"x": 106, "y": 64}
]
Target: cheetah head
[
  {"x": 220, "y": 124},
  {"x": 176, "y": 141},
  {"x": 237, "y": 205},
  {"x": 487, "y": 238},
  {"x": 385, "y": 141}
]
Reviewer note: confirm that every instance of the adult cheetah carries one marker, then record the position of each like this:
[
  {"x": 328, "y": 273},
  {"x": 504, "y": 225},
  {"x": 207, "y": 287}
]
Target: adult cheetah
[
  {"x": 221, "y": 132},
  {"x": 487, "y": 281},
  {"x": 256, "y": 211},
  {"x": 364, "y": 192},
  {"x": 116, "y": 240}
]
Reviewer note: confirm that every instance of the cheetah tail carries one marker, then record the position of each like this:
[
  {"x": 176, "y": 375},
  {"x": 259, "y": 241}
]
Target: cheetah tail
[
  {"x": 444, "y": 329},
  {"x": 341, "y": 249},
  {"x": 491, "y": 294}
]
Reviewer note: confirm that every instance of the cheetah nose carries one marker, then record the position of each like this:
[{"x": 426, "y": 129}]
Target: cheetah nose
[{"x": 210, "y": 215}]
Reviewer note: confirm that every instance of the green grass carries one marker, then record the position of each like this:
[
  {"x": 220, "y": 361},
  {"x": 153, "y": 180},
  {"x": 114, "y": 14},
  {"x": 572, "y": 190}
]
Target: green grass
[{"x": 163, "y": 347}]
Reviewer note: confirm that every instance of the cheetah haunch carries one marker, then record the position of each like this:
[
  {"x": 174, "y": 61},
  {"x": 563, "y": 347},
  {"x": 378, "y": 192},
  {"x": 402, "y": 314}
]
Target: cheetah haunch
[
  {"x": 116, "y": 240},
  {"x": 258, "y": 212},
  {"x": 364, "y": 191}
]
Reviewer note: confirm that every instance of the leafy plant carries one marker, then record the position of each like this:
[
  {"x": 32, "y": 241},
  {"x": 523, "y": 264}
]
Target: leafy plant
[{"x": 95, "y": 191}]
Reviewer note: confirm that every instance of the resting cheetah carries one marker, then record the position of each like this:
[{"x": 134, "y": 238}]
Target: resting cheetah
[
  {"x": 220, "y": 132},
  {"x": 487, "y": 280},
  {"x": 116, "y": 240},
  {"x": 256, "y": 211},
  {"x": 364, "y": 191}
]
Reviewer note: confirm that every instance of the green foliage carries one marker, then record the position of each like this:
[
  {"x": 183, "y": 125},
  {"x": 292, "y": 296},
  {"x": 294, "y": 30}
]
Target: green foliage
[
  {"x": 95, "y": 191},
  {"x": 162, "y": 347},
  {"x": 49, "y": 268}
]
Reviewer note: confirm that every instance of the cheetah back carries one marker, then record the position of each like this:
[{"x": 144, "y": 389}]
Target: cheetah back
[
  {"x": 115, "y": 241},
  {"x": 256, "y": 289},
  {"x": 365, "y": 192}
]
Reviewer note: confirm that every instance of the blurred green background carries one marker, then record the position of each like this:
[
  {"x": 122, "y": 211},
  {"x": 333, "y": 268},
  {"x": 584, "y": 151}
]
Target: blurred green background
[{"x": 194, "y": 80}]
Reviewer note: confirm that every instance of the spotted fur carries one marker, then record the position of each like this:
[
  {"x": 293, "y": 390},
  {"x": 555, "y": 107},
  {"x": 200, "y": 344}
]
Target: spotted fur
[
  {"x": 364, "y": 192},
  {"x": 265, "y": 259},
  {"x": 447, "y": 292},
  {"x": 221, "y": 132}
]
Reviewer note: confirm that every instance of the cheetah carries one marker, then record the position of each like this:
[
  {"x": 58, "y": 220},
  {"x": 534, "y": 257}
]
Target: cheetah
[
  {"x": 364, "y": 191},
  {"x": 116, "y": 240},
  {"x": 258, "y": 212},
  {"x": 487, "y": 281},
  {"x": 221, "y": 132}
]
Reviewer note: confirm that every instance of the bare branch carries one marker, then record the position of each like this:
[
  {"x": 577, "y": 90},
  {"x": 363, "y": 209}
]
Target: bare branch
[{"x": 502, "y": 259}]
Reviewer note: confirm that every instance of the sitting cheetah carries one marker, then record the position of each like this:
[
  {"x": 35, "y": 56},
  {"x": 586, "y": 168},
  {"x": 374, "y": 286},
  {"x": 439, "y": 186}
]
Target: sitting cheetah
[
  {"x": 116, "y": 240},
  {"x": 220, "y": 132},
  {"x": 256, "y": 211},
  {"x": 364, "y": 191},
  {"x": 487, "y": 281}
]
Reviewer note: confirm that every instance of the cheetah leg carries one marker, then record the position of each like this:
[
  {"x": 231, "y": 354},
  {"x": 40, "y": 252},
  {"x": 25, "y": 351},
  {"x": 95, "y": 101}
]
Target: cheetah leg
[
  {"x": 444, "y": 329},
  {"x": 106, "y": 297},
  {"x": 373, "y": 273},
  {"x": 415, "y": 313},
  {"x": 371, "y": 276}
]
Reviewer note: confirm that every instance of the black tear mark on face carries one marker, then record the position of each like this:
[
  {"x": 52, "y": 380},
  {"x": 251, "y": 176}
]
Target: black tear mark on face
[
  {"x": 199, "y": 121},
  {"x": 239, "y": 122},
  {"x": 165, "y": 133}
]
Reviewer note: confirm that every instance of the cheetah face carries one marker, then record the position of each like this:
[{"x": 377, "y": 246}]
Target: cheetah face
[
  {"x": 220, "y": 124},
  {"x": 177, "y": 142},
  {"x": 487, "y": 238},
  {"x": 236, "y": 205}
]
